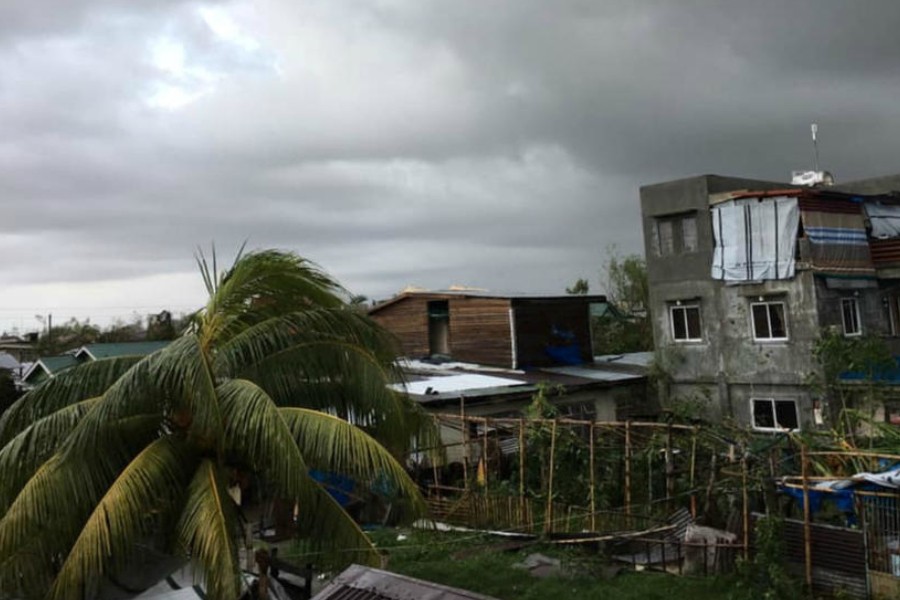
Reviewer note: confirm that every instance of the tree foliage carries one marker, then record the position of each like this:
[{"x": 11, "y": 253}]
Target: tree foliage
[
  {"x": 626, "y": 326},
  {"x": 580, "y": 288},
  {"x": 266, "y": 381}
]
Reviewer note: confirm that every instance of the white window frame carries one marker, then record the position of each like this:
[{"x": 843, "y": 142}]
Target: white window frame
[
  {"x": 685, "y": 307},
  {"x": 784, "y": 314},
  {"x": 855, "y": 302},
  {"x": 772, "y": 402}
]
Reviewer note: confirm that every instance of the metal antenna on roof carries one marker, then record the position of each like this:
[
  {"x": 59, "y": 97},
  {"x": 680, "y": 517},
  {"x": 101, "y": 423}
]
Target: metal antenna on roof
[{"x": 814, "y": 128}]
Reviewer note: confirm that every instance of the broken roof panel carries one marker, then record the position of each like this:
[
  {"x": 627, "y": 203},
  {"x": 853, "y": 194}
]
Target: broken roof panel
[{"x": 365, "y": 583}]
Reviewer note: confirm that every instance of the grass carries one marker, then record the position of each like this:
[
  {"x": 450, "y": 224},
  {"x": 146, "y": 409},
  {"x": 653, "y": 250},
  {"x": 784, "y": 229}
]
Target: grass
[{"x": 473, "y": 562}]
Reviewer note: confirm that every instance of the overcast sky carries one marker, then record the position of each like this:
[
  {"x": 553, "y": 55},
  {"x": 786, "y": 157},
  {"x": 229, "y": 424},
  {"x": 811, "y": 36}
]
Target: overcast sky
[{"x": 497, "y": 143}]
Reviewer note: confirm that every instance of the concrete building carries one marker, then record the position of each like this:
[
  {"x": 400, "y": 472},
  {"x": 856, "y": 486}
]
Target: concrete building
[{"x": 745, "y": 274}]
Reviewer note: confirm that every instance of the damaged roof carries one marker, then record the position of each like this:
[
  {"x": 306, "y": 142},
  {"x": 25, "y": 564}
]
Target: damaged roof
[{"x": 365, "y": 583}]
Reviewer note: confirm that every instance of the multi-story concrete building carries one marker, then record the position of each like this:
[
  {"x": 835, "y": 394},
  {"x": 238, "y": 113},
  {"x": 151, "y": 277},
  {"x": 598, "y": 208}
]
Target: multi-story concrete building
[{"x": 745, "y": 274}]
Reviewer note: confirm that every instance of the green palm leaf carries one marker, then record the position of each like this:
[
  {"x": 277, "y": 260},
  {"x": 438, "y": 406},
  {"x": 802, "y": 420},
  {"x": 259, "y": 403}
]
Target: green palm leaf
[
  {"x": 330, "y": 443},
  {"x": 257, "y": 430},
  {"x": 72, "y": 385},
  {"x": 208, "y": 528},
  {"x": 24, "y": 453},
  {"x": 124, "y": 515}
]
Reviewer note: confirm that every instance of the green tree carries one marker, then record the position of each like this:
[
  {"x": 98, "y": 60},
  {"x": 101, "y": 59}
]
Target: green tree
[
  {"x": 67, "y": 336},
  {"x": 120, "y": 451},
  {"x": 626, "y": 327},
  {"x": 581, "y": 287}
]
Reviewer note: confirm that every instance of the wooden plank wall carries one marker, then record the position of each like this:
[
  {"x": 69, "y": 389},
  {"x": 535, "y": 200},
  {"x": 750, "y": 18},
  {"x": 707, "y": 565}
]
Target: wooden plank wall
[
  {"x": 535, "y": 323},
  {"x": 480, "y": 331},
  {"x": 407, "y": 319},
  {"x": 479, "y": 327}
]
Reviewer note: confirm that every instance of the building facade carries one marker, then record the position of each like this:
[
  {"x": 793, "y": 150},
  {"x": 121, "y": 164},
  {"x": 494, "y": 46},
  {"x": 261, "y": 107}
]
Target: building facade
[{"x": 744, "y": 276}]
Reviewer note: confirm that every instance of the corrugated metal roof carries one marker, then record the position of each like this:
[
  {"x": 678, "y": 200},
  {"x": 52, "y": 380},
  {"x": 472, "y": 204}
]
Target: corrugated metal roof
[
  {"x": 110, "y": 350},
  {"x": 441, "y": 384},
  {"x": 441, "y": 294},
  {"x": 365, "y": 583},
  {"x": 594, "y": 373},
  {"x": 8, "y": 361}
]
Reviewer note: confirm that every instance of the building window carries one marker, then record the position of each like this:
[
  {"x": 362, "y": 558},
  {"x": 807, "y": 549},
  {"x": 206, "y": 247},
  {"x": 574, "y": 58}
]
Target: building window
[
  {"x": 674, "y": 234},
  {"x": 769, "y": 320},
  {"x": 850, "y": 316},
  {"x": 892, "y": 307},
  {"x": 686, "y": 323},
  {"x": 770, "y": 414}
]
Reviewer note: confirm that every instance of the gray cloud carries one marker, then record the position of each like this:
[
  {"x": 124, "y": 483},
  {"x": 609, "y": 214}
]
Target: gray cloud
[{"x": 410, "y": 142}]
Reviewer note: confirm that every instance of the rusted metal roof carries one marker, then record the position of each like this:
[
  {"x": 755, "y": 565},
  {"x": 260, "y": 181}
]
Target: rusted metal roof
[{"x": 365, "y": 583}]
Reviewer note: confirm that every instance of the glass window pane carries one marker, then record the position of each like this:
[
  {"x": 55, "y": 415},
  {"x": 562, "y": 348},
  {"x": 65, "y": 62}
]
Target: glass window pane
[
  {"x": 776, "y": 318},
  {"x": 666, "y": 238},
  {"x": 678, "y": 325},
  {"x": 850, "y": 315},
  {"x": 693, "y": 322},
  {"x": 786, "y": 414},
  {"x": 762, "y": 414},
  {"x": 688, "y": 233},
  {"x": 761, "y": 321}
]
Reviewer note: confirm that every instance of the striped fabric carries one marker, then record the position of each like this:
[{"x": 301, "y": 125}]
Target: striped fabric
[{"x": 838, "y": 242}]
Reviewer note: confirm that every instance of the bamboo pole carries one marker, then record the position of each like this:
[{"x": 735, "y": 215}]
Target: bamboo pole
[
  {"x": 746, "y": 508},
  {"x": 465, "y": 432},
  {"x": 522, "y": 464},
  {"x": 484, "y": 453},
  {"x": 581, "y": 422},
  {"x": 548, "y": 514},
  {"x": 670, "y": 470},
  {"x": 693, "y": 472},
  {"x": 628, "y": 468},
  {"x": 806, "y": 525},
  {"x": 593, "y": 493}
]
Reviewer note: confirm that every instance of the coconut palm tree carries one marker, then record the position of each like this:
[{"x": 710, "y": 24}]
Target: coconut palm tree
[{"x": 274, "y": 376}]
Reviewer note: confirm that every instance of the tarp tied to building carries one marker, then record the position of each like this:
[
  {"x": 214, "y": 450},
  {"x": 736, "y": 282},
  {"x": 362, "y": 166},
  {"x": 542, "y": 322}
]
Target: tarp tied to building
[
  {"x": 836, "y": 231},
  {"x": 884, "y": 219},
  {"x": 755, "y": 239}
]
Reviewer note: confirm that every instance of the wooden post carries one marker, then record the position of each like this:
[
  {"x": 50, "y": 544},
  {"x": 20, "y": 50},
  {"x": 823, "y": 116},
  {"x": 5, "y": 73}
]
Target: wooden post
[
  {"x": 806, "y": 525},
  {"x": 465, "y": 432},
  {"x": 693, "y": 471},
  {"x": 628, "y": 467},
  {"x": 548, "y": 513},
  {"x": 484, "y": 453},
  {"x": 746, "y": 508},
  {"x": 593, "y": 494},
  {"x": 670, "y": 469},
  {"x": 522, "y": 465}
]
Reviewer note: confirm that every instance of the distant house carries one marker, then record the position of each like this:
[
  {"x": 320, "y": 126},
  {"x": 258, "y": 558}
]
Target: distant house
[
  {"x": 490, "y": 354},
  {"x": 112, "y": 350},
  {"x": 22, "y": 349},
  {"x": 516, "y": 332},
  {"x": 47, "y": 367}
]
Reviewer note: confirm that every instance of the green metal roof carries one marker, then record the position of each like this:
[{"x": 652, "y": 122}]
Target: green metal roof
[
  {"x": 48, "y": 366},
  {"x": 111, "y": 350}
]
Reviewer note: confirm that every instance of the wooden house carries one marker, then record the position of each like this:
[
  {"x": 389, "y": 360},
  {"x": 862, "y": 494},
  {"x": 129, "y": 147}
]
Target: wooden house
[{"x": 515, "y": 332}]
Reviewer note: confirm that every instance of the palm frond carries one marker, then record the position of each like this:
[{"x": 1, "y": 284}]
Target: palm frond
[
  {"x": 208, "y": 528},
  {"x": 23, "y": 454},
  {"x": 174, "y": 382},
  {"x": 263, "y": 284},
  {"x": 332, "y": 444},
  {"x": 257, "y": 431},
  {"x": 150, "y": 484},
  {"x": 73, "y": 385}
]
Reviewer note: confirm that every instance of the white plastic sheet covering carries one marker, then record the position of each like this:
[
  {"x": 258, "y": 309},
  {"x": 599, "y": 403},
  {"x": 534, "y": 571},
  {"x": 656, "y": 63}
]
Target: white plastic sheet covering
[
  {"x": 755, "y": 239},
  {"x": 885, "y": 220}
]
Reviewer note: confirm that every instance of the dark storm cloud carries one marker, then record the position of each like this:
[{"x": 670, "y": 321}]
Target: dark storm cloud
[{"x": 420, "y": 142}]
